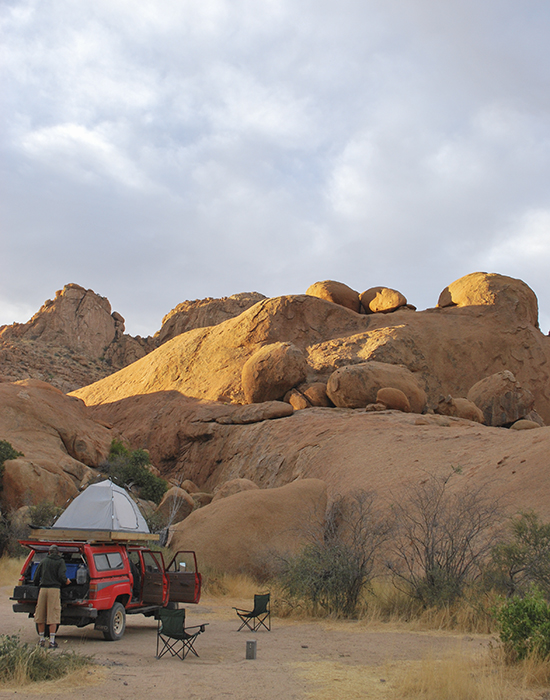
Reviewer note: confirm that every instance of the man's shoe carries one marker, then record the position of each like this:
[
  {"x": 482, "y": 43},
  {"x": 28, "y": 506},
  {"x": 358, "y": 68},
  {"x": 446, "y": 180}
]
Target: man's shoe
[
  {"x": 41, "y": 642},
  {"x": 53, "y": 645}
]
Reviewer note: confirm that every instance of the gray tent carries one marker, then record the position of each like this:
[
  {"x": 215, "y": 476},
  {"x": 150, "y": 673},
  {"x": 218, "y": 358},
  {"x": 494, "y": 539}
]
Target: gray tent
[{"x": 103, "y": 506}]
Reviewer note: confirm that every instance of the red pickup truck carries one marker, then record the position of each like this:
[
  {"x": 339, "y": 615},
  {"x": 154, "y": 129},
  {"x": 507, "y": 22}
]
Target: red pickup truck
[{"x": 110, "y": 580}]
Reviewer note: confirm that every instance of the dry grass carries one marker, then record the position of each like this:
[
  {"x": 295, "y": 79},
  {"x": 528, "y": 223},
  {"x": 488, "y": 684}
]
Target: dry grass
[
  {"x": 461, "y": 677},
  {"x": 222, "y": 585},
  {"x": 10, "y": 570}
]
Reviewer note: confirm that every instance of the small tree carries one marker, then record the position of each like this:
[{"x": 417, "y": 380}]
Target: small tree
[
  {"x": 443, "y": 539},
  {"x": 525, "y": 625},
  {"x": 129, "y": 468},
  {"x": 332, "y": 570},
  {"x": 525, "y": 559},
  {"x": 7, "y": 452}
]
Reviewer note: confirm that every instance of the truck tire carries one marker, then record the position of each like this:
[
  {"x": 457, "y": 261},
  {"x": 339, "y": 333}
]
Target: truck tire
[{"x": 116, "y": 623}]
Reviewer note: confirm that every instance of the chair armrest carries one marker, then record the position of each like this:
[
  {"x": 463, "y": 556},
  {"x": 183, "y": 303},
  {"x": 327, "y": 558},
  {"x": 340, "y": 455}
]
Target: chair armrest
[
  {"x": 241, "y": 610},
  {"x": 194, "y": 627}
]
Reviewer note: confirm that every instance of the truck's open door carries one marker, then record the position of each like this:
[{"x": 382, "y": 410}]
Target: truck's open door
[
  {"x": 184, "y": 578},
  {"x": 154, "y": 584}
]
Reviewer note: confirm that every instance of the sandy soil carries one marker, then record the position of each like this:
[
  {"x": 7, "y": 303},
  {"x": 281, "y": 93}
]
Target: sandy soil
[{"x": 295, "y": 660}]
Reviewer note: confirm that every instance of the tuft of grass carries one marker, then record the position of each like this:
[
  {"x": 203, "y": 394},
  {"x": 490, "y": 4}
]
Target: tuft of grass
[
  {"x": 21, "y": 663},
  {"x": 10, "y": 570},
  {"x": 223, "y": 585}
]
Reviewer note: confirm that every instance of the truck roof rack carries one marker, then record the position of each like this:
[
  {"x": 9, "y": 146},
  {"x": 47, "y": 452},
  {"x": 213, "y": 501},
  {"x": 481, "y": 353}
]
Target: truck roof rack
[{"x": 83, "y": 535}]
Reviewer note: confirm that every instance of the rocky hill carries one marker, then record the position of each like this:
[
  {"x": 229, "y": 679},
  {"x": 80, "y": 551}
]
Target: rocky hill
[{"x": 354, "y": 391}]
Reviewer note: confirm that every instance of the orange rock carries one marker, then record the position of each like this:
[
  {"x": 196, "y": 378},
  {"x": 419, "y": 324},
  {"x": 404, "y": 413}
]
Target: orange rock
[
  {"x": 523, "y": 424},
  {"x": 393, "y": 399},
  {"x": 316, "y": 393},
  {"x": 176, "y": 505},
  {"x": 381, "y": 300},
  {"x": 204, "y": 312},
  {"x": 245, "y": 531},
  {"x": 501, "y": 399},
  {"x": 337, "y": 293},
  {"x": 459, "y": 407},
  {"x": 297, "y": 400},
  {"x": 234, "y": 486},
  {"x": 483, "y": 289},
  {"x": 272, "y": 371},
  {"x": 355, "y": 386},
  {"x": 58, "y": 438}
]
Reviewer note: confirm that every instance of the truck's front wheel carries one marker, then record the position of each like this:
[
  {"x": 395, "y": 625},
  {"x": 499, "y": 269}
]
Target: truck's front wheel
[{"x": 116, "y": 623}]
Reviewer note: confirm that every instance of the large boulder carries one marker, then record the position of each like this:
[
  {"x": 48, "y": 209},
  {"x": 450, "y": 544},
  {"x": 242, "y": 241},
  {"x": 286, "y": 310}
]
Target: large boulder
[
  {"x": 337, "y": 293},
  {"x": 382, "y": 300},
  {"x": 355, "y": 386},
  {"x": 489, "y": 289},
  {"x": 460, "y": 408},
  {"x": 272, "y": 371},
  {"x": 501, "y": 398},
  {"x": 234, "y": 486},
  {"x": 176, "y": 505},
  {"x": 60, "y": 442},
  {"x": 246, "y": 531}
]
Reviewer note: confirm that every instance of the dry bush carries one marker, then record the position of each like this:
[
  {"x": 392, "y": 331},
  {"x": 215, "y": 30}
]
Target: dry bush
[{"x": 444, "y": 538}]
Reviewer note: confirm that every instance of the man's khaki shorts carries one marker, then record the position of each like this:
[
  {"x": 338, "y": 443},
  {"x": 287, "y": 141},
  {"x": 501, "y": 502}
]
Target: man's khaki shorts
[{"x": 48, "y": 608}]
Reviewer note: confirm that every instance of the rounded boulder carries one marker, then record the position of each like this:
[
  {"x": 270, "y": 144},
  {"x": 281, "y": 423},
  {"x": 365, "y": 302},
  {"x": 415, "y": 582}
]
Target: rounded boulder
[
  {"x": 489, "y": 289},
  {"x": 337, "y": 293},
  {"x": 272, "y": 371},
  {"x": 355, "y": 386},
  {"x": 394, "y": 399},
  {"x": 382, "y": 300},
  {"x": 501, "y": 398}
]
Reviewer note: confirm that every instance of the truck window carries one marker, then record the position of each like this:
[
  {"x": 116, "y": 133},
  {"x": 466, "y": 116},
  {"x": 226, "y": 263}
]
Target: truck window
[
  {"x": 151, "y": 564},
  {"x": 107, "y": 561}
]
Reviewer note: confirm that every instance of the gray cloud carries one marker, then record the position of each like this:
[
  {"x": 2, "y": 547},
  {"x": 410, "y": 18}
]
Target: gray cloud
[{"x": 157, "y": 152}]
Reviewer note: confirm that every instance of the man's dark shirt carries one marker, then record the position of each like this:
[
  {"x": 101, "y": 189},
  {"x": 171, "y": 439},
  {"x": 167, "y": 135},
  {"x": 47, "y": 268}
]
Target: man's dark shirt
[{"x": 51, "y": 572}]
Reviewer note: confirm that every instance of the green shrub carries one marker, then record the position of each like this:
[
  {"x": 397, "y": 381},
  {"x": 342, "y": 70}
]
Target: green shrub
[
  {"x": 129, "y": 468},
  {"x": 44, "y": 514},
  {"x": 525, "y": 625},
  {"x": 7, "y": 452},
  {"x": 22, "y": 662}
]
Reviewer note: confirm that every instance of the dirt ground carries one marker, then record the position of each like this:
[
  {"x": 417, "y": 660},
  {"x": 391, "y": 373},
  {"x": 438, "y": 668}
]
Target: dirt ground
[{"x": 295, "y": 660}]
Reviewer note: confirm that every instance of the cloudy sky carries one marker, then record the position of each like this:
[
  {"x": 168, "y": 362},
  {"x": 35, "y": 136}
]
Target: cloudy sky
[{"x": 162, "y": 150}]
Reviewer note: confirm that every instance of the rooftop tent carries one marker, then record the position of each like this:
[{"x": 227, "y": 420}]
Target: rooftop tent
[{"x": 103, "y": 506}]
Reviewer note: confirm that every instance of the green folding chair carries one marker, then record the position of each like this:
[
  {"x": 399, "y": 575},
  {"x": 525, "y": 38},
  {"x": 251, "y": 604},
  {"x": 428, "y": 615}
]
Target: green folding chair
[
  {"x": 175, "y": 638},
  {"x": 255, "y": 619}
]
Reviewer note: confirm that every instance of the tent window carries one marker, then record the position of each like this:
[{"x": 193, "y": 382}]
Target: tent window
[{"x": 108, "y": 561}]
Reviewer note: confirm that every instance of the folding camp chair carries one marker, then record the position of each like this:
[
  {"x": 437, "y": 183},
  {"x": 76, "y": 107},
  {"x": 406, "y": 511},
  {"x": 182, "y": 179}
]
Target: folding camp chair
[
  {"x": 175, "y": 637},
  {"x": 254, "y": 619}
]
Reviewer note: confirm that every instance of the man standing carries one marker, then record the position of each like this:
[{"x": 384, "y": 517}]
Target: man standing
[{"x": 50, "y": 575}]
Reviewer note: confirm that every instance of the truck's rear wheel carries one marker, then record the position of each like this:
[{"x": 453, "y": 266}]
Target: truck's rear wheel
[{"x": 116, "y": 623}]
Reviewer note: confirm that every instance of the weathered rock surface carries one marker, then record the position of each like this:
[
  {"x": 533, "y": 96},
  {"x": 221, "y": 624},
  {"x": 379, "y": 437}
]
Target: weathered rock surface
[
  {"x": 272, "y": 371},
  {"x": 316, "y": 393},
  {"x": 60, "y": 442},
  {"x": 523, "y": 424},
  {"x": 355, "y": 386},
  {"x": 297, "y": 400},
  {"x": 459, "y": 407},
  {"x": 244, "y": 532},
  {"x": 382, "y": 300},
  {"x": 393, "y": 399},
  {"x": 501, "y": 398},
  {"x": 497, "y": 291},
  {"x": 337, "y": 293},
  {"x": 234, "y": 486},
  {"x": 71, "y": 341},
  {"x": 449, "y": 349},
  {"x": 204, "y": 312},
  {"x": 175, "y": 506}
]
